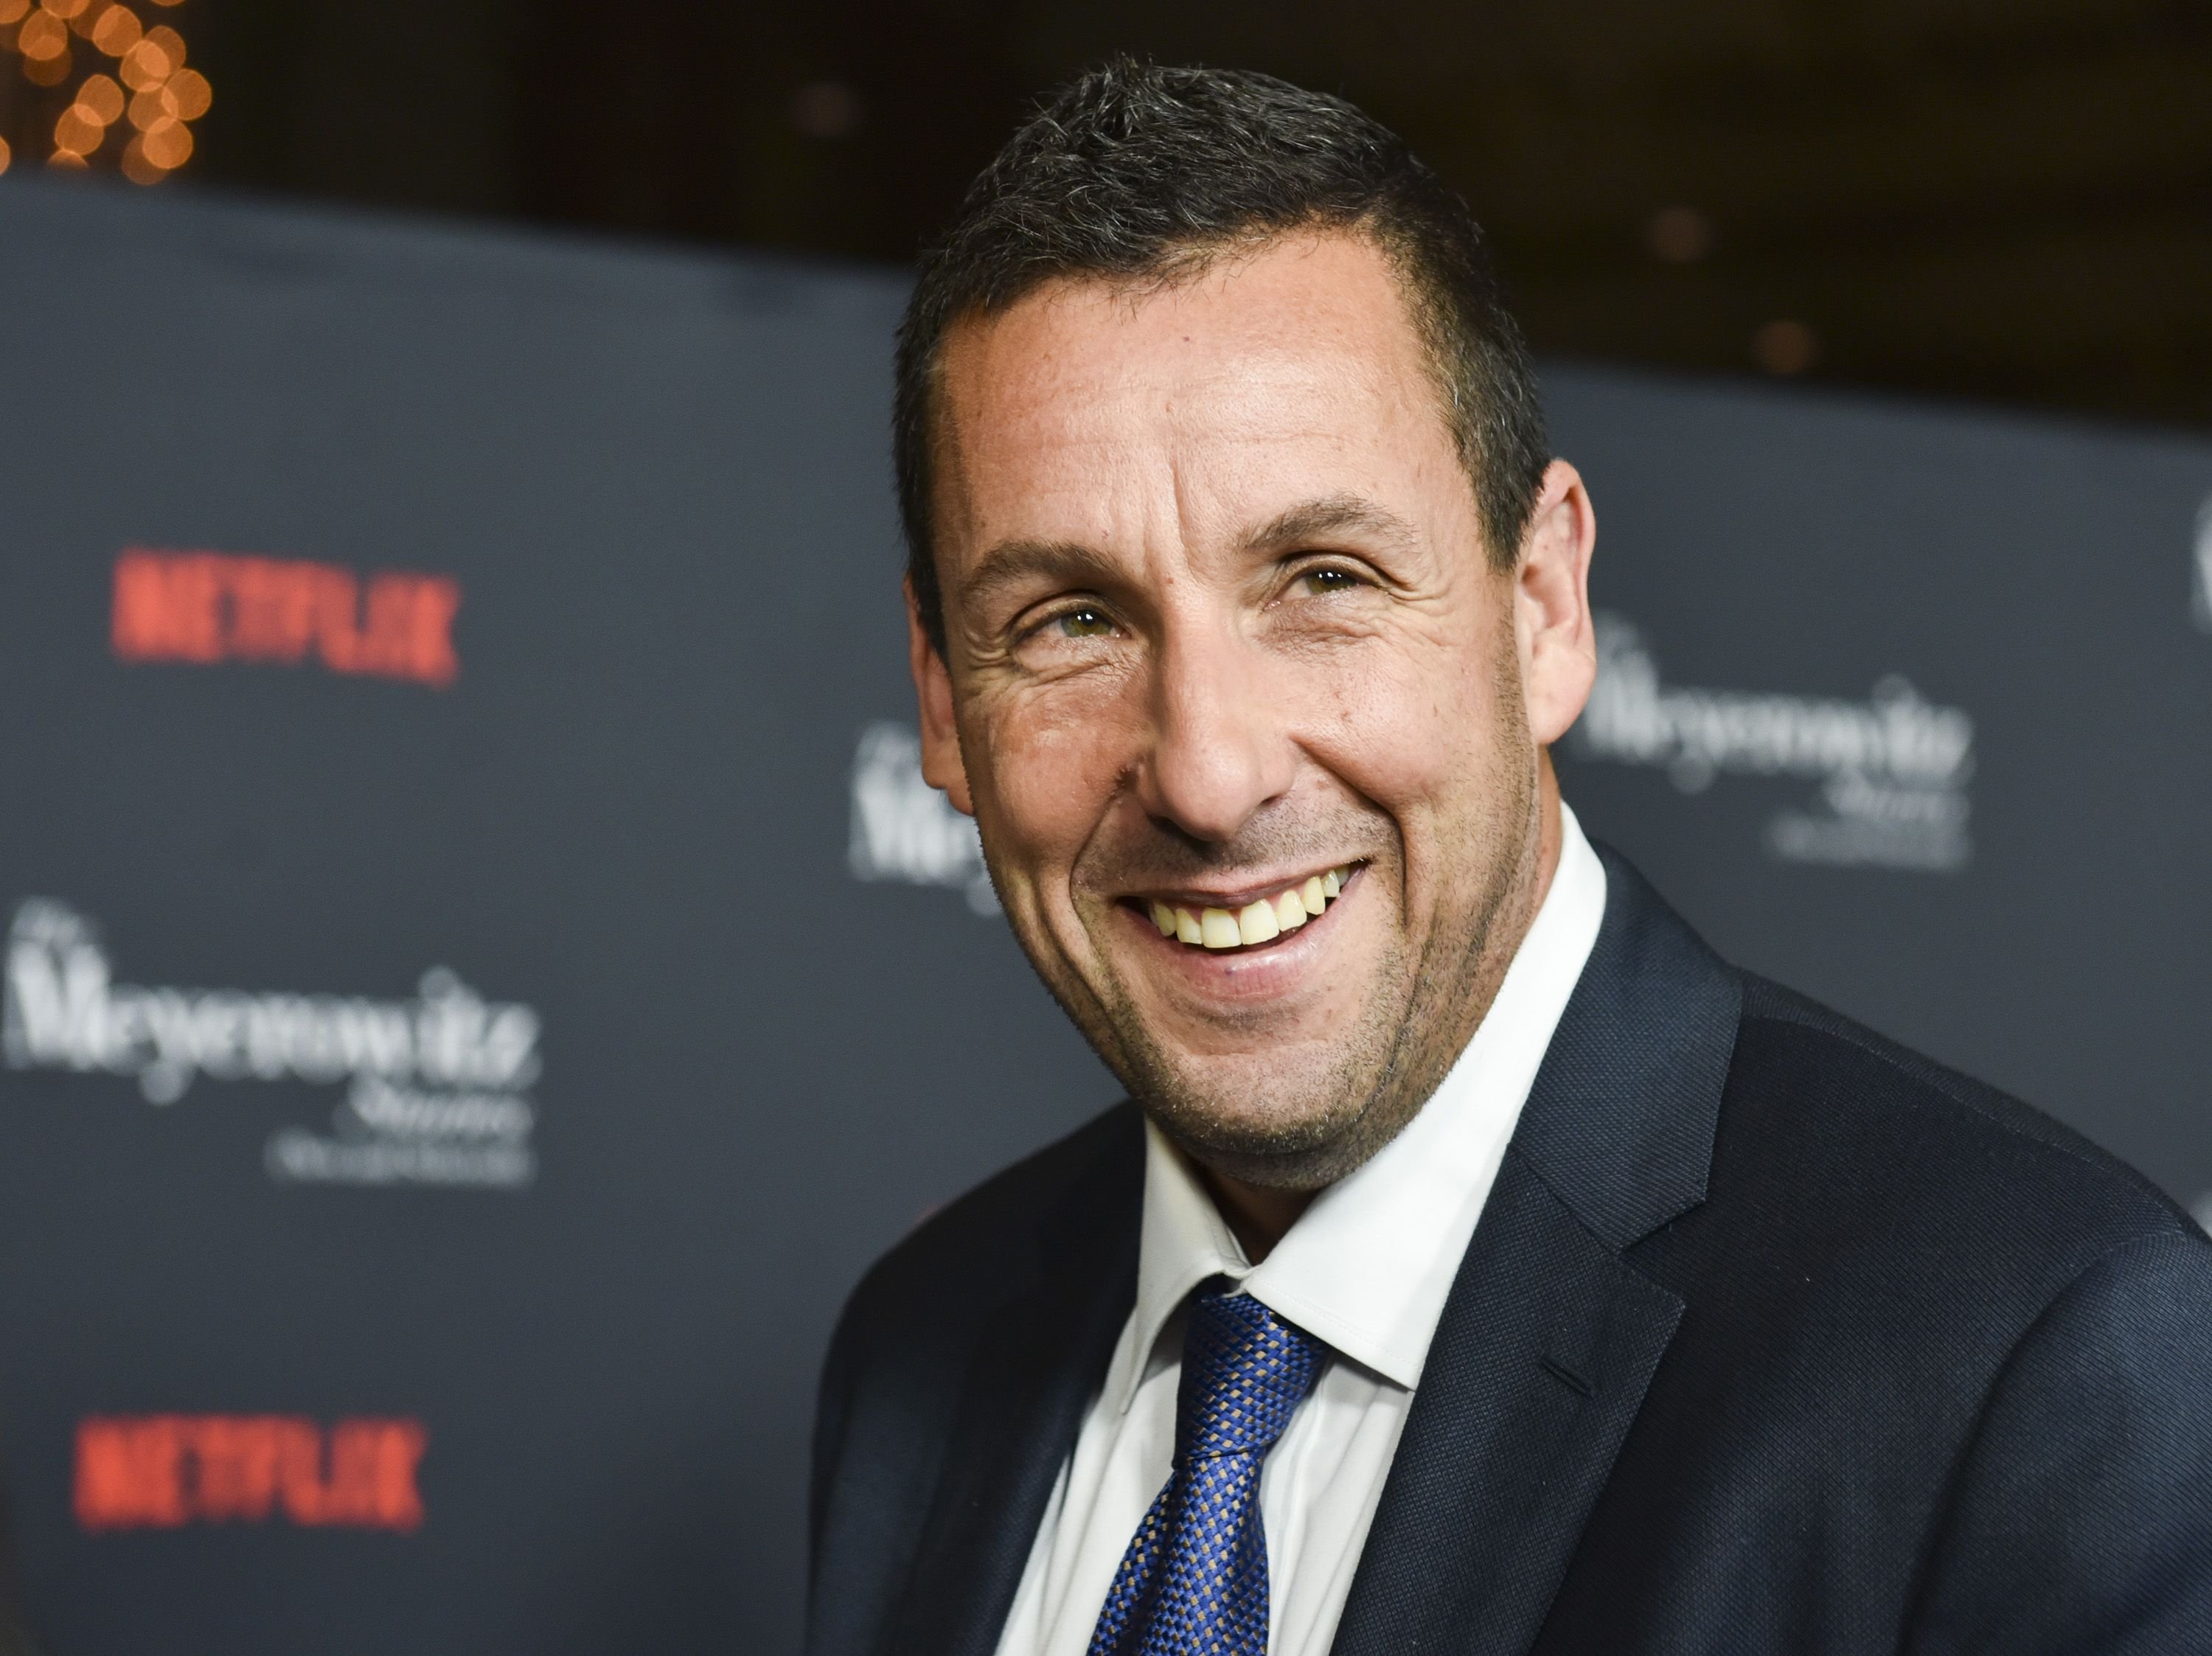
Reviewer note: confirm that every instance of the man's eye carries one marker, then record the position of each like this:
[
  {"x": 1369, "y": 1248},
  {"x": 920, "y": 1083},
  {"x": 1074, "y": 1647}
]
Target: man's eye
[
  {"x": 1319, "y": 581},
  {"x": 1083, "y": 623}
]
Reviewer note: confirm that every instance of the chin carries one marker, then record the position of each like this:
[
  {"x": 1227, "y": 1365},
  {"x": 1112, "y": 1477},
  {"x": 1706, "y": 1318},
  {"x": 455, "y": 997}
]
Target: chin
[{"x": 1223, "y": 1109}]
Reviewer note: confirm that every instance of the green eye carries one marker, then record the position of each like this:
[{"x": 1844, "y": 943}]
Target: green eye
[
  {"x": 1318, "y": 581},
  {"x": 1084, "y": 623}
]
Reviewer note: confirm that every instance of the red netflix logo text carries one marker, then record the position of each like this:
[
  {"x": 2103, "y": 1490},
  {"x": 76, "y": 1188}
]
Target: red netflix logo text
[
  {"x": 160, "y": 1471},
  {"x": 211, "y": 606}
]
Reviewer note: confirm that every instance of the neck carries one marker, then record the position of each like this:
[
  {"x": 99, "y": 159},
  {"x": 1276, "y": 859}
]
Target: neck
[
  {"x": 1551, "y": 832},
  {"x": 1258, "y": 1214}
]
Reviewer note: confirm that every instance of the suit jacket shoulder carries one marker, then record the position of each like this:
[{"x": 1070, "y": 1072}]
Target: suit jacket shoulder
[
  {"x": 1045, "y": 1249},
  {"x": 1775, "y": 1335},
  {"x": 1906, "y": 1149},
  {"x": 1942, "y": 1356},
  {"x": 988, "y": 1245}
]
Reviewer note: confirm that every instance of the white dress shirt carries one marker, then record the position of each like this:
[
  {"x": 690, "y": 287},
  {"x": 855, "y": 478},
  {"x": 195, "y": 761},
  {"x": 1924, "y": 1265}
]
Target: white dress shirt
[{"x": 1365, "y": 1269}]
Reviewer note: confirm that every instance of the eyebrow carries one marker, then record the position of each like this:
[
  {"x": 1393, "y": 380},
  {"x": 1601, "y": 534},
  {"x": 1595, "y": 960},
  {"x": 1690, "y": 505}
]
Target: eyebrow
[
  {"x": 1330, "y": 515},
  {"x": 1011, "y": 563}
]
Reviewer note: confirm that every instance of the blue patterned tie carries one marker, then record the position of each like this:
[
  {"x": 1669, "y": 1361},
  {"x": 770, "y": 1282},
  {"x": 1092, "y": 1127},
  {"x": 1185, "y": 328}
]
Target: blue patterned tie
[{"x": 1195, "y": 1579}]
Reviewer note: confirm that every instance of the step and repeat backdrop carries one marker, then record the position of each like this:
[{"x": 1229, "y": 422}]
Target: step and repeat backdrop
[{"x": 483, "y": 974}]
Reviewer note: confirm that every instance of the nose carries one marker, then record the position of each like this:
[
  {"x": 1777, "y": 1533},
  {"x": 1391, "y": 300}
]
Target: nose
[{"x": 1221, "y": 746}]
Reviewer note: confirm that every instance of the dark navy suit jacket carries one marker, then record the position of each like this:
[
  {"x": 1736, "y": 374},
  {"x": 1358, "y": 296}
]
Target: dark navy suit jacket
[{"x": 1773, "y": 1338}]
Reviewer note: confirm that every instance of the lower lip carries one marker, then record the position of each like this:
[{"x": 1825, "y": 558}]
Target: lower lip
[{"x": 1253, "y": 974}]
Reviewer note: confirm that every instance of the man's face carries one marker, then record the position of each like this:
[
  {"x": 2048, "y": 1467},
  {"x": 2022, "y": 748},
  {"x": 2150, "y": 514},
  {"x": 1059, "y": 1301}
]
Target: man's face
[{"x": 1224, "y": 640}]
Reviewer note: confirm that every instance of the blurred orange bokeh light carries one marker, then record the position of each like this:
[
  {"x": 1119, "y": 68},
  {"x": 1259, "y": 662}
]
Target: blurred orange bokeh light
[{"x": 146, "y": 82}]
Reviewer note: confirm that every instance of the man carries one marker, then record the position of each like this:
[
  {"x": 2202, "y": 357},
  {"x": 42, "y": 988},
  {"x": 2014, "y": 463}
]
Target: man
[{"x": 1482, "y": 1265}]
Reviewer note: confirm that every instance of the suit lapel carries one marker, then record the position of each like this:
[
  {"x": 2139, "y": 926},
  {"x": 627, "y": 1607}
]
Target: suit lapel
[
  {"x": 1034, "y": 1371},
  {"x": 1546, "y": 1345},
  {"x": 1549, "y": 1337}
]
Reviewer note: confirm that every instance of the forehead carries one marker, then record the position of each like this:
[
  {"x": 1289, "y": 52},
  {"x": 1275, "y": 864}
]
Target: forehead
[{"x": 1294, "y": 370}]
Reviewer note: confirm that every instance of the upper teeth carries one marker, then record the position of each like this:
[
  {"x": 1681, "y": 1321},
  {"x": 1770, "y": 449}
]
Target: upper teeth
[{"x": 1259, "y": 922}]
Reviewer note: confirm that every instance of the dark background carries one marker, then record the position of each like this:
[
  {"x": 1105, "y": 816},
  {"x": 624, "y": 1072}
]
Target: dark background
[
  {"x": 2006, "y": 199},
  {"x": 1997, "y": 199}
]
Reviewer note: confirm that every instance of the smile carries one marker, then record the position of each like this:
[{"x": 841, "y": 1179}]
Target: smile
[{"x": 1255, "y": 923}]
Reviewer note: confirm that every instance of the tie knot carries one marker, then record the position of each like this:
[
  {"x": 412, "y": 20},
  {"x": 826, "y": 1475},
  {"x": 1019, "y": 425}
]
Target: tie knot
[{"x": 1245, "y": 1370}]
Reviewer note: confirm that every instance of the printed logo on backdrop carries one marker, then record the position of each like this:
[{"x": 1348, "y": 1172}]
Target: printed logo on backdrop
[
  {"x": 2201, "y": 584},
  {"x": 162, "y": 1472},
  {"x": 1889, "y": 775},
  {"x": 905, "y": 830},
  {"x": 436, "y": 1086},
  {"x": 202, "y": 608}
]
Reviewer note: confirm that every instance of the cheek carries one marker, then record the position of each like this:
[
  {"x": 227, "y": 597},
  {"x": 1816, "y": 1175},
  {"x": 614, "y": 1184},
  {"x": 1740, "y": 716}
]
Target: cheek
[
  {"x": 1414, "y": 728},
  {"x": 1057, "y": 754}
]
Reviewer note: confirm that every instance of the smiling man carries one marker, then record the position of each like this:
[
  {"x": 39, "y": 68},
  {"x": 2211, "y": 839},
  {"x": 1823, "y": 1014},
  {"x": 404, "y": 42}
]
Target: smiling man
[{"x": 1481, "y": 1264}]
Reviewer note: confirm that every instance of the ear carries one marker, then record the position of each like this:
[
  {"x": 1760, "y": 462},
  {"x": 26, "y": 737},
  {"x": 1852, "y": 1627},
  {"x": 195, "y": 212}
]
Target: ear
[
  {"x": 1551, "y": 595},
  {"x": 942, "y": 766}
]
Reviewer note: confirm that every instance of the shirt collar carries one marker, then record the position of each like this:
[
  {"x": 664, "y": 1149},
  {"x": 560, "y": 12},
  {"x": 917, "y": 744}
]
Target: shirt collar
[{"x": 1367, "y": 1266}]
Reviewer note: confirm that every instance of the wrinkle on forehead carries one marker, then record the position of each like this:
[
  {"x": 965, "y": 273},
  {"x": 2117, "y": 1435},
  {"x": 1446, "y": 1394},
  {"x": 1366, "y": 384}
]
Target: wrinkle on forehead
[{"x": 1080, "y": 387}]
